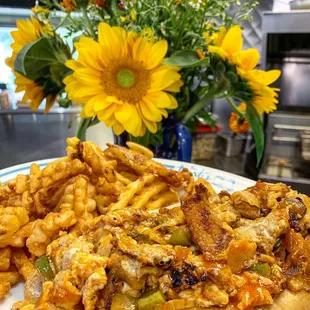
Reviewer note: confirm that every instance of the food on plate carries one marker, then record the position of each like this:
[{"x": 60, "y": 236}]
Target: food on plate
[{"x": 115, "y": 229}]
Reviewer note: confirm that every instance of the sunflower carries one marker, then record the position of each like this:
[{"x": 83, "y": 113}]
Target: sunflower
[
  {"x": 228, "y": 45},
  {"x": 33, "y": 93},
  {"x": 238, "y": 124},
  {"x": 122, "y": 81},
  {"x": 265, "y": 98},
  {"x": 27, "y": 32}
]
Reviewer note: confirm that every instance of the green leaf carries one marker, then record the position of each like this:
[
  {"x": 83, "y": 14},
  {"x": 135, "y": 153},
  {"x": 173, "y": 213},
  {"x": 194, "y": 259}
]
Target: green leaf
[
  {"x": 232, "y": 77},
  {"x": 207, "y": 117},
  {"x": 82, "y": 128},
  {"x": 64, "y": 102},
  {"x": 218, "y": 88},
  {"x": 258, "y": 132},
  {"x": 187, "y": 59},
  {"x": 220, "y": 67},
  {"x": 70, "y": 124},
  {"x": 34, "y": 59}
]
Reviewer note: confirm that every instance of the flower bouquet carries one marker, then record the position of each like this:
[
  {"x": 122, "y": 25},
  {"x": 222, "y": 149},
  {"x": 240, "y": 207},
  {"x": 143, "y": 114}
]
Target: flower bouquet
[{"x": 143, "y": 67}]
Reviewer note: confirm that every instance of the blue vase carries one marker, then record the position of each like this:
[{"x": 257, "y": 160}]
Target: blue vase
[{"x": 177, "y": 141}]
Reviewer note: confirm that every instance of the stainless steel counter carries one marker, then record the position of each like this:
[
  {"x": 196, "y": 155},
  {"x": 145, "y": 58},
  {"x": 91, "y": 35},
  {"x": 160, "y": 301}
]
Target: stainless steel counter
[
  {"x": 27, "y": 135},
  {"x": 23, "y": 111}
]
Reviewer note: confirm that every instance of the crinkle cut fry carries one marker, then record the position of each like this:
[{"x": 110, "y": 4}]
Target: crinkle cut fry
[
  {"x": 141, "y": 165},
  {"x": 24, "y": 305},
  {"x": 24, "y": 266},
  {"x": 4, "y": 289},
  {"x": 46, "y": 228},
  {"x": 93, "y": 156},
  {"x": 6, "y": 190},
  {"x": 78, "y": 196},
  {"x": 129, "y": 192},
  {"x": 147, "y": 193},
  {"x": 11, "y": 220},
  {"x": 5, "y": 259},
  {"x": 8, "y": 274},
  {"x": 58, "y": 170},
  {"x": 11, "y": 276},
  {"x": 18, "y": 239}
]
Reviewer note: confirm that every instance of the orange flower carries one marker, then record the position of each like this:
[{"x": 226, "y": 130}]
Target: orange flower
[
  {"x": 100, "y": 3},
  {"x": 200, "y": 53},
  {"x": 69, "y": 5},
  {"x": 238, "y": 124}
]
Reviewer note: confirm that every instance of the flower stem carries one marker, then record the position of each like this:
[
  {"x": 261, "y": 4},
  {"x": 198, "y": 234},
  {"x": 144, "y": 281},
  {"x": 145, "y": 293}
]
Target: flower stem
[
  {"x": 83, "y": 125},
  {"x": 240, "y": 114},
  {"x": 216, "y": 89},
  {"x": 89, "y": 24},
  {"x": 63, "y": 21}
]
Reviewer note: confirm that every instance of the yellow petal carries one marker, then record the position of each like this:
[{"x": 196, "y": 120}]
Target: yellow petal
[
  {"x": 219, "y": 36},
  {"x": 151, "y": 126},
  {"x": 122, "y": 37},
  {"x": 159, "y": 99},
  {"x": 271, "y": 76},
  {"x": 263, "y": 77},
  {"x": 109, "y": 121},
  {"x": 208, "y": 38},
  {"x": 72, "y": 64},
  {"x": 107, "y": 113},
  {"x": 132, "y": 37},
  {"x": 110, "y": 41},
  {"x": 134, "y": 124},
  {"x": 85, "y": 90},
  {"x": 114, "y": 99},
  {"x": 175, "y": 87},
  {"x": 174, "y": 102},
  {"x": 88, "y": 76},
  {"x": 50, "y": 100},
  {"x": 232, "y": 42},
  {"x": 218, "y": 50},
  {"x": 10, "y": 62},
  {"x": 118, "y": 129},
  {"x": 149, "y": 110},
  {"x": 157, "y": 54},
  {"x": 88, "y": 110},
  {"x": 99, "y": 102},
  {"x": 69, "y": 79},
  {"x": 123, "y": 112},
  {"x": 35, "y": 103},
  {"x": 141, "y": 50},
  {"x": 164, "y": 112},
  {"x": 248, "y": 60},
  {"x": 91, "y": 54},
  {"x": 163, "y": 78}
]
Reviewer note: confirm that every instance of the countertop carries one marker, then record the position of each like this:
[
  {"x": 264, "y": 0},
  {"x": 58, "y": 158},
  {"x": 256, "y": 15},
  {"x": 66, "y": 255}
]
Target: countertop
[
  {"x": 23, "y": 111},
  {"x": 221, "y": 162}
]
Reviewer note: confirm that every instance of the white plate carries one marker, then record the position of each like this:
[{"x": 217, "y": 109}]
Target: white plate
[{"x": 220, "y": 180}]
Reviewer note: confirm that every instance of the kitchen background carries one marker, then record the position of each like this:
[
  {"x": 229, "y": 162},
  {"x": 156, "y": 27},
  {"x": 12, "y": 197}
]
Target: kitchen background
[{"x": 278, "y": 30}]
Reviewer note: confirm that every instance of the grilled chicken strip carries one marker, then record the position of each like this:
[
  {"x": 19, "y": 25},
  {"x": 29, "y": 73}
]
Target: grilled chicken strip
[{"x": 211, "y": 235}]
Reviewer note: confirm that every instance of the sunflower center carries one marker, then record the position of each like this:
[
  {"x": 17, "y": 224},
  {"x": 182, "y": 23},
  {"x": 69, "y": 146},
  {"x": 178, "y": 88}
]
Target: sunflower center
[{"x": 126, "y": 78}]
